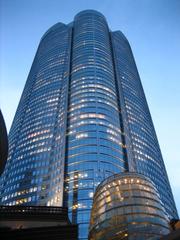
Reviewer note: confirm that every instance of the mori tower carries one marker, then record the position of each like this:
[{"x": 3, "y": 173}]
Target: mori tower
[{"x": 82, "y": 117}]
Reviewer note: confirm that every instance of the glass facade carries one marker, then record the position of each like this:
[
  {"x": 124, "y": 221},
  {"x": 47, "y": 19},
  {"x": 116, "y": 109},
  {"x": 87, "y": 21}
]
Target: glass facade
[
  {"x": 146, "y": 151},
  {"x": 34, "y": 172},
  {"x": 94, "y": 137},
  {"x": 127, "y": 206},
  {"x": 82, "y": 117}
]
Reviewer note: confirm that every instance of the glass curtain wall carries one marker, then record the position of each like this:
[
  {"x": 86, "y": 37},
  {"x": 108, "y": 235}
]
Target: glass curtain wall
[{"x": 94, "y": 137}]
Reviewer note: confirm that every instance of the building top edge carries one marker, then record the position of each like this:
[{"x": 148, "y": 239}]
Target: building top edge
[
  {"x": 124, "y": 175},
  {"x": 121, "y": 34},
  {"x": 89, "y": 11},
  {"x": 52, "y": 28}
]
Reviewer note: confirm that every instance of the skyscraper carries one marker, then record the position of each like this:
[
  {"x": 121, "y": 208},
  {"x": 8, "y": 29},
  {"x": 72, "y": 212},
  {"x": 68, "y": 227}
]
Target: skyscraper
[{"x": 82, "y": 117}]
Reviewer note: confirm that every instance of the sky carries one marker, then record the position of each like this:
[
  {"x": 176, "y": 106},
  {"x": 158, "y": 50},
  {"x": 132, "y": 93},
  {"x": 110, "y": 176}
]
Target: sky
[{"x": 152, "y": 28}]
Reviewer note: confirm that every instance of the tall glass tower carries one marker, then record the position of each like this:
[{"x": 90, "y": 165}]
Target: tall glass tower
[{"x": 82, "y": 117}]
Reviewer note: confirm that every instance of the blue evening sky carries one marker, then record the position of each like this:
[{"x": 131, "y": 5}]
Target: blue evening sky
[{"x": 153, "y": 30}]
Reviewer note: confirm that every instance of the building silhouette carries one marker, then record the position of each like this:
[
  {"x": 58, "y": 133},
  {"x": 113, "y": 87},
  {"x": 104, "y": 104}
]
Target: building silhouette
[
  {"x": 82, "y": 117},
  {"x": 3, "y": 144},
  {"x": 36, "y": 223}
]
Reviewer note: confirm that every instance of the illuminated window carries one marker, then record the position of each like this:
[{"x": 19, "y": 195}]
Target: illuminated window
[{"x": 81, "y": 135}]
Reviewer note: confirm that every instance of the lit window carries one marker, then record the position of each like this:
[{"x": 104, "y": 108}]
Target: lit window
[
  {"x": 91, "y": 194},
  {"x": 81, "y": 135}
]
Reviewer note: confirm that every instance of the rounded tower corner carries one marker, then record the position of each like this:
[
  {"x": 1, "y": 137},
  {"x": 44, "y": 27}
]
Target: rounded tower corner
[
  {"x": 53, "y": 28},
  {"x": 120, "y": 34},
  {"x": 89, "y": 11}
]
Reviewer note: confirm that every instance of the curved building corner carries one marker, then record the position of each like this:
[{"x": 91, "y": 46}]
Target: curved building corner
[{"x": 127, "y": 206}]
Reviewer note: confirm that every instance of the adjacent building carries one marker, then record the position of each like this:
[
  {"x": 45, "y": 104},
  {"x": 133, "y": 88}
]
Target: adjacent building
[
  {"x": 37, "y": 223},
  {"x": 127, "y": 206},
  {"x": 82, "y": 117},
  {"x": 3, "y": 144}
]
